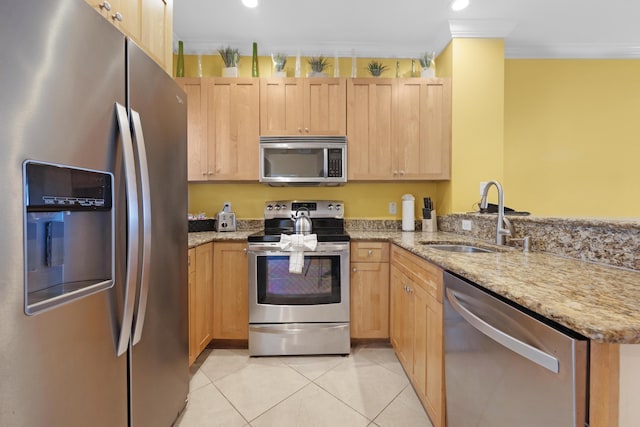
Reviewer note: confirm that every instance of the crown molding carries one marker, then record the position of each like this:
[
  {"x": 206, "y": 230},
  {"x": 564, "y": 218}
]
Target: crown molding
[
  {"x": 573, "y": 51},
  {"x": 480, "y": 28}
]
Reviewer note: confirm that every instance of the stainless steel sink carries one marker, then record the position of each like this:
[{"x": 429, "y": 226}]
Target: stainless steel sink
[{"x": 460, "y": 248}]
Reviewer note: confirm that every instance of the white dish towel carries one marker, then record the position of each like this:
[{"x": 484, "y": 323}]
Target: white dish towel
[{"x": 297, "y": 244}]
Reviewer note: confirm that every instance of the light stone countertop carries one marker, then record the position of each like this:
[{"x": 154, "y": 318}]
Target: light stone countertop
[
  {"x": 597, "y": 301},
  {"x": 202, "y": 237}
]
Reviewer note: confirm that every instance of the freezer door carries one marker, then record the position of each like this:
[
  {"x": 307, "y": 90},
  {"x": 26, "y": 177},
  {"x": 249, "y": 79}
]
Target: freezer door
[
  {"x": 63, "y": 71},
  {"x": 159, "y": 363}
]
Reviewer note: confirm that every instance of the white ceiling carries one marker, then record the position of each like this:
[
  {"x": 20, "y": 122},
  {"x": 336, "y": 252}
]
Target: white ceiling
[{"x": 407, "y": 28}]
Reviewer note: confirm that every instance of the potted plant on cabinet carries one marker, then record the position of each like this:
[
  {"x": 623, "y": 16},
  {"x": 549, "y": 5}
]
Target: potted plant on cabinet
[
  {"x": 426, "y": 61},
  {"x": 230, "y": 57},
  {"x": 376, "y": 68},
  {"x": 279, "y": 61},
  {"x": 318, "y": 64}
]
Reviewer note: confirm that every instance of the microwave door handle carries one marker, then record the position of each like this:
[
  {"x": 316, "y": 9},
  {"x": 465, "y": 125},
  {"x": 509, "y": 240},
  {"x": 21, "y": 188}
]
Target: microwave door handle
[
  {"x": 525, "y": 350},
  {"x": 132, "y": 232},
  {"x": 146, "y": 226},
  {"x": 325, "y": 172}
]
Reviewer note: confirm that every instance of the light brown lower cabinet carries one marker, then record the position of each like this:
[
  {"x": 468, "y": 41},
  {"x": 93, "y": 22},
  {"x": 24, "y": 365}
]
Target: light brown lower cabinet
[
  {"x": 230, "y": 291},
  {"x": 417, "y": 327},
  {"x": 200, "y": 299},
  {"x": 369, "y": 283}
]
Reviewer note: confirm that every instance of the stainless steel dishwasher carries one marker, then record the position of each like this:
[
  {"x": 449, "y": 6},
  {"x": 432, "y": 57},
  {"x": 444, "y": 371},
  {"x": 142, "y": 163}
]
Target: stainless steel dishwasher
[{"x": 506, "y": 368}]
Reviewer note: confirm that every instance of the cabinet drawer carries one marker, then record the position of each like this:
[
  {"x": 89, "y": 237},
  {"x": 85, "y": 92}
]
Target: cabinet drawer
[
  {"x": 425, "y": 274},
  {"x": 369, "y": 252}
]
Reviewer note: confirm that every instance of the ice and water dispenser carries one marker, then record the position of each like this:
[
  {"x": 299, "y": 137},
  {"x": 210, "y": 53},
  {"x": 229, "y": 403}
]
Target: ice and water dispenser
[{"x": 69, "y": 243}]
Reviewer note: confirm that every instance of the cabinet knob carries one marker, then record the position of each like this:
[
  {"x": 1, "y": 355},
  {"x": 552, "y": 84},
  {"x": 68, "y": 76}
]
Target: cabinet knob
[
  {"x": 306, "y": 130},
  {"x": 105, "y": 5},
  {"x": 395, "y": 173},
  {"x": 244, "y": 250},
  {"x": 299, "y": 130},
  {"x": 354, "y": 269},
  {"x": 369, "y": 252},
  {"x": 401, "y": 173},
  {"x": 117, "y": 17},
  {"x": 209, "y": 173}
]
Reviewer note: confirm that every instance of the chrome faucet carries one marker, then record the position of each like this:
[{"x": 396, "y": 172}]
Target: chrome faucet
[{"x": 504, "y": 225}]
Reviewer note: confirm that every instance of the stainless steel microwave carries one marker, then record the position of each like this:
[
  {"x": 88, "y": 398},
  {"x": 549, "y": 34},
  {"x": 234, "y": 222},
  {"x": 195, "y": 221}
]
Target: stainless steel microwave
[{"x": 303, "y": 160}]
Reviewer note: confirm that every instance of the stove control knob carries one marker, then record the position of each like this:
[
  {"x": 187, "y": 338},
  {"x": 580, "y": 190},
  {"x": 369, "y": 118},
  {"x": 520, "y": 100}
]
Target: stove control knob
[
  {"x": 277, "y": 207},
  {"x": 330, "y": 207},
  {"x": 269, "y": 207},
  {"x": 338, "y": 207},
  {"x": 283, "y": 207}
]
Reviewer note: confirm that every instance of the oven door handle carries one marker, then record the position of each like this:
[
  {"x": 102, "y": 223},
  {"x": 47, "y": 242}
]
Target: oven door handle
[
  {"x": 270, "y": 250},
  {"x": 290, "y": 331}
]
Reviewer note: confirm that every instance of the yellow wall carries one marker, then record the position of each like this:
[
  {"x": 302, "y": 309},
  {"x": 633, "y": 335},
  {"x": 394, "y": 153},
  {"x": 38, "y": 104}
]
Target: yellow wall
[
  {"x": 476, "y": 67},
  {"x": 362, "y": 200},
  {"x": 572, "y": 138}
]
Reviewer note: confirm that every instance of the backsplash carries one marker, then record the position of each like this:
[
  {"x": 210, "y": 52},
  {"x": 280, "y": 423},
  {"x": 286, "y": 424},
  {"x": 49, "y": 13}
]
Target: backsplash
[{"x": 612, "y": 242}]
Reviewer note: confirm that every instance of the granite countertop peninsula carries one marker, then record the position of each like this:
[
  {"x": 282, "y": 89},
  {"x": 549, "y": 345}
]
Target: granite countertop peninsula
[{"x": 597, "y": 301}]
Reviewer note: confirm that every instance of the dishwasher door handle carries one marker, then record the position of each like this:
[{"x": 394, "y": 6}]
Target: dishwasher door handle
[{"x": 523, "y": 349}]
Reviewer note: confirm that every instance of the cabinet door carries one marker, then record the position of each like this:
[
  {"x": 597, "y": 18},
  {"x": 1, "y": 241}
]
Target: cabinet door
[
  {"x": 369, "y": 300},
  {"x": 371, "y": 106},
  {"x": 402, "y": 315},
  {"x": 281, "y": 106},
  {"x": 395, "y": 308},
  {"x": 154, "y": 23},
  {"x": 196, "y": 128},
  {"x": 325, "y": 106},
  {"x": 233, "y": 128},
  {"x": 423, "y": 148},
  {"x": 428, "y": 363},
  {"x": 193, "y": 342},
  {"x": 204, "y": 295},
  {"x": 231, "y": 291},
  {"x": 123, "y": 14}
]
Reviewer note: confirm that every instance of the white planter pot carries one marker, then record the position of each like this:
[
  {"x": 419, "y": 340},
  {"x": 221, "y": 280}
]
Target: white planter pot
[
  {"x": 316, "y": 74},
  {"x": 427, "y": 72},
  {"x": 279, "y": 74},
  {"x": 230, "y": 72}
]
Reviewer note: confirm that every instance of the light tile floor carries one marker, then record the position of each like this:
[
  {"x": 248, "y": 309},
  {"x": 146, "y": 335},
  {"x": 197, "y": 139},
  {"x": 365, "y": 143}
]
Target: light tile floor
[{"x": 367, "y": 388}]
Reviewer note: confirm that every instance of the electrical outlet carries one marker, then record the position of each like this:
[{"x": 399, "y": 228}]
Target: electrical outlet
[
  {"x": 392, "y": 208},
  {"x": 482, "y": 185},
  {"x": 466, "y": 225}
]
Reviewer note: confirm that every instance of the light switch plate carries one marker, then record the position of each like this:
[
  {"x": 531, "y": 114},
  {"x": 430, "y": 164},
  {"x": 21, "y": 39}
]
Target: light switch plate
[
  {"x": 466, "y": 224},
  {"x": 392, "y": 208}
]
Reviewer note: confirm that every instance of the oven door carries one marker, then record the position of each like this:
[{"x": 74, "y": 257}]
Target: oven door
[{"x": 319, "y": 294}]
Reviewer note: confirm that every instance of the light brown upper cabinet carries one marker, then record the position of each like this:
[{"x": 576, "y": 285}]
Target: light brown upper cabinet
[
  {"x": 371, "y": 110},
  {"x": 303, "y": 106},
  {"x": 399, "y": 129},
  {"x": 157, "y": 31},
  {"x": 423, "y": 150},
  {"x": 222, "y": 128},
  {"x": 148, "y": 22}
]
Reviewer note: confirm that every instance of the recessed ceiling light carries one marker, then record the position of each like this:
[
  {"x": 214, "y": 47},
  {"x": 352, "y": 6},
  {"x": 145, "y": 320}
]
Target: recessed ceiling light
[
  {"x": 458, "y": 4},
  {"x": 250, "y": 3}
]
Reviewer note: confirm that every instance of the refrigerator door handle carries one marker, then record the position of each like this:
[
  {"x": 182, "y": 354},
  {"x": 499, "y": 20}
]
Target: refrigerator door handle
[
  {"x": 143, "y": 169},
  {"x": 535, "y": 355},
  {"x": 132, "y": 231}
]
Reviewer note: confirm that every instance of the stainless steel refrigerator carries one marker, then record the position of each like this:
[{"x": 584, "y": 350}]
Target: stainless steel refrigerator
[{"x": 93, "y": 236}]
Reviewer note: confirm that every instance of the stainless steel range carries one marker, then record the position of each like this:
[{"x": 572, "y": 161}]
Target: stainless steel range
[{"x": 293, "y": 313}]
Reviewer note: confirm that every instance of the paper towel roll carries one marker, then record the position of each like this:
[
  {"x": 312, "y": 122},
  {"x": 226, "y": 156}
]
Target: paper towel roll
[{"x": 408, "y": 212}]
